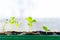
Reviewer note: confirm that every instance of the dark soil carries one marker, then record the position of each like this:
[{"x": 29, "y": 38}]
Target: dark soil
[
  {"x": 29, "y": 33},
  {"x": 46, "y": 33},
  {"x": 58, "y": 33}
]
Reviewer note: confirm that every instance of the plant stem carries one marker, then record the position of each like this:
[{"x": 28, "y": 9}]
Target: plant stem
[
  {"x": 4, "y": 27},
  {"x": 10, "y": 28},
  {"x": 30, "y": 29}
]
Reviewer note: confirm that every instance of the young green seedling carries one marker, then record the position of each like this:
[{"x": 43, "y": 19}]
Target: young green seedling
[
  {"x": 45, "y": 28},
  {"x": 17, "y": 25},
  {"x": 13, "y": 21},
  {"x": 4, "y": 25},
  {"x": 30, "y": 21}
]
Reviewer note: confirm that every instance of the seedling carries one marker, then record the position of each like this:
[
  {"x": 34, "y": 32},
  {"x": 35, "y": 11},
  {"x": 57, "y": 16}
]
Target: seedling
[
  {"x": 30, "y": 21},
  {"x": 13, "y": 21},
  {"x": 4, "y": 25},
  {"x": 45, "y": 29}
]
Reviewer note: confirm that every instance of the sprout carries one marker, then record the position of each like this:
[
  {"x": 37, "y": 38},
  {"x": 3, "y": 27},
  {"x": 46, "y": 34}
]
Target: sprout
[
  {"x": 17, "y": 24},
  {"x": 14, "y": 21},
  {"x": 4, "y": 25},
  {"x": 11, "y": 21},
  {"x": 46, "y": 29},
  {"x": 30, "y": 21}
]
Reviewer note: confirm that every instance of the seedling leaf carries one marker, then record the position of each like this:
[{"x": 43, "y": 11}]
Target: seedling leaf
[
  {"x": 12, "y": 20},
  {"x": 29, "y": 19},
  {"x": 17, "y": 24},
  {"x": 30, "y": 24},
  {"x": 45, "y": 28},
  {"x": 33, "y": 20}
]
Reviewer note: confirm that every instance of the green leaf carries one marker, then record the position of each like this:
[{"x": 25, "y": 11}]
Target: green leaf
[
  {"x": 29, "y": 19},
  {"x": 33, "y": 20},
  {"x": 17, "y": 24},
  {"x": 12, "y": 20},
  {"x": 29, "y": 24},
  {"x": 45, "y": 28}
]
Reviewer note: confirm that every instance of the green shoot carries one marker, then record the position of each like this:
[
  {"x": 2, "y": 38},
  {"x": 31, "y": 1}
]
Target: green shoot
[
  {"x": 13, "y": 21},
  {"x": 4, "y": 25},
  {"x": 34, "y": 21},
  {"x": 46, "y": 29},
  {"x": 30, "y": 21},
  {"x": 30, "y": 24},
  {"x": 17, "y": 24}
]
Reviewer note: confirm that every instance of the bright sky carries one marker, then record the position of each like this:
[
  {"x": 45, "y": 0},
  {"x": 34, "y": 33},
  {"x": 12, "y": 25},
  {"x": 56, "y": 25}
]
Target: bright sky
[{"x": 34, "y": 8}]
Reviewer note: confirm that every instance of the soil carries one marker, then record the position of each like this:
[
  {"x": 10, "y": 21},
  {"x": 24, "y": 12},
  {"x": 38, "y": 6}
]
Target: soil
[
  {"x": 2, "y": 33},
  {"x": 58, "y": 33},
  {"x": 46, "y": 33},
  {"x": 29, "y": 33}
]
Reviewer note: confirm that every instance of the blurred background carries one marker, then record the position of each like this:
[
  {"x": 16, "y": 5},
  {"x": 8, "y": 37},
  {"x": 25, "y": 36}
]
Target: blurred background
[{"x": 46, "y": 12}]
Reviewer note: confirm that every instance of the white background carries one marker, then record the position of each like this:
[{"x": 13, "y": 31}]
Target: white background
[
  {"x": 34, "y": 8},
  {"x": 46, "y": 9}
]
